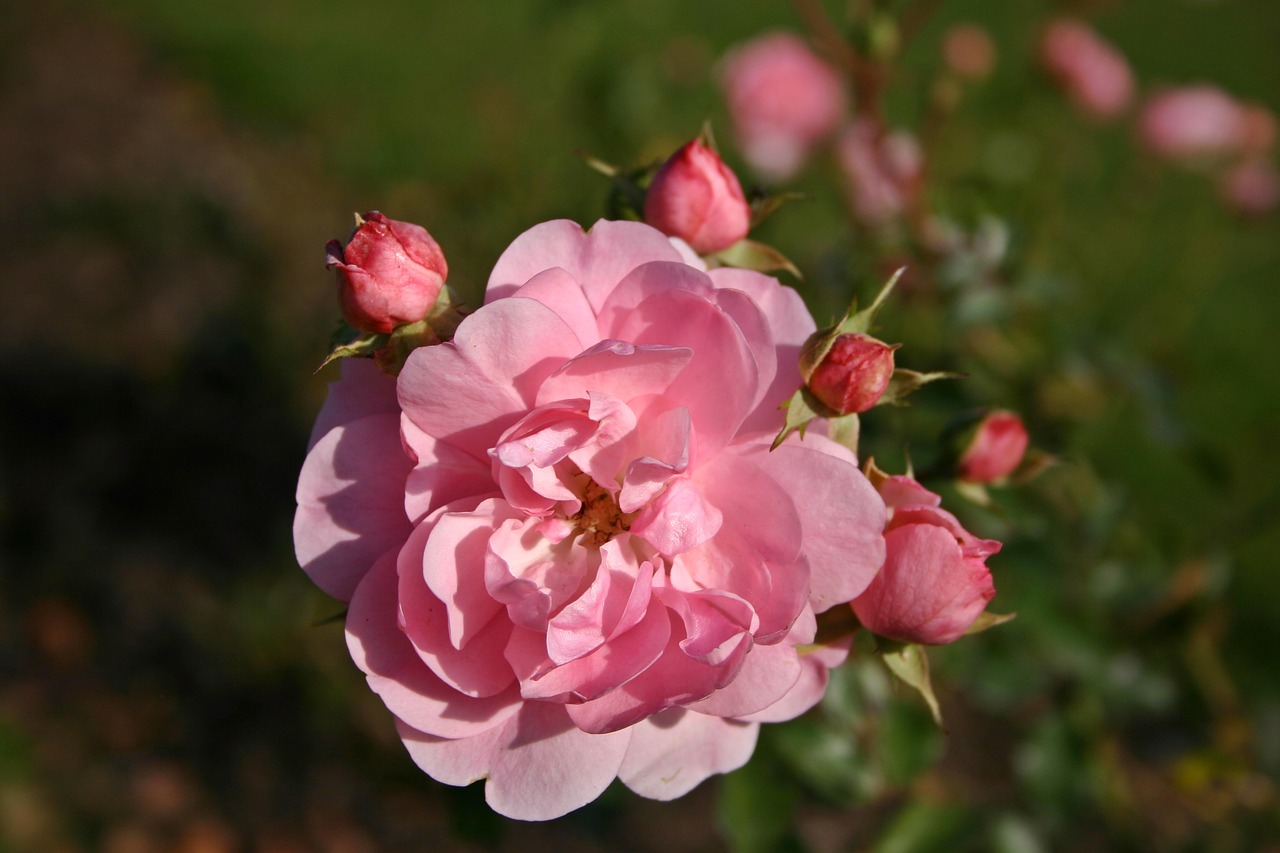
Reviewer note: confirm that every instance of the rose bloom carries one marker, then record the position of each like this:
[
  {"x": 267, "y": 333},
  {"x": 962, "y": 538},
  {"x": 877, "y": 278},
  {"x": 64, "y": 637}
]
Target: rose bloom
[
  {"x": 783, "y": 100},
  {"x": 1094, "y": 75},
  {"x": 935, "y": 581},
  {"x": 884, "y": 171},
  {"x": 568, "y": 552},
  {"x": 1196, "y": 122},
  {"x": 1251, "y": 187}
]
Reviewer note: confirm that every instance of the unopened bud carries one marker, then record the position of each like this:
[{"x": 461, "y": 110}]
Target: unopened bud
[
  {"x": 390, "y": 273},
  {"x": 995, "y": 450},
  {"x": 696, "y": 197},
  {"x": 854, "y": 374}
]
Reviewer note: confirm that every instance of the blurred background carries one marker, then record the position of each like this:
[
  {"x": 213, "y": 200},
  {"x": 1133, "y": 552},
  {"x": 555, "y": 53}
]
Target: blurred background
[{"x": 169, "y": 173}]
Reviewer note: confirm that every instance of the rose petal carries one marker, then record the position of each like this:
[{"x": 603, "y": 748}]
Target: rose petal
[{"x": 672, "y": 752}]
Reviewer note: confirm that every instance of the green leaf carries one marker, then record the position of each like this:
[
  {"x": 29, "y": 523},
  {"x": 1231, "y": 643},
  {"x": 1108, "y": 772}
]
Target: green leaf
[
  {"x": 766, "y": 205},
  {"x": 926, "y": 828},
  {"x": 750, "y": 255},
  {"x": 755, "y": 813},
  {"x": 910, "y": 664},
  {"x": 859, "y": 323},
  {"x": 988, "y": 620}
]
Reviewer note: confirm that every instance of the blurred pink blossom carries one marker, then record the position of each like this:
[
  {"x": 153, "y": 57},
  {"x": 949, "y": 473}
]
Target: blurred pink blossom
[
  {"x": 568, "y": 552},
  {"x": 1252, "y": 186},
  {"x": 1198, "y": 122},
  {"x": 389, "y": 273},
  {"x": 883, "y": 170},
  {"x": 935, "y": 581},
  {"x": 696, "y": 197},
  {"x": 783, "y": 100},
  {"x": 1094, "y": 75},
  {"x": 995, "y": 449}
]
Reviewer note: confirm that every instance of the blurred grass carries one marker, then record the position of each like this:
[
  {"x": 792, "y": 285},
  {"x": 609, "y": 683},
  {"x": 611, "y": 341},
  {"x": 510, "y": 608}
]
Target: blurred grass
[{"x": 1141, "y": 325}]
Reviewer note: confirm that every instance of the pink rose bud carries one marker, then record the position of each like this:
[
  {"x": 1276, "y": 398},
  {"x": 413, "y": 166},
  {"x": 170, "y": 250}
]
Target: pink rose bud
[
  {"x": 995, "y": 450},
  {"x": 696, "y": 197},
  {"x": 969, "y": 52},
  {"x": 854, "y": 374},
  {"x": 1093, "y": 74},
  {"x": 934, "y": 582},
  {"x": 1196, "y": 122},
  {"x": 783, "y": 100},
  {"x": 389, "y": 274},
  {"x": 1251, "y": 187}
]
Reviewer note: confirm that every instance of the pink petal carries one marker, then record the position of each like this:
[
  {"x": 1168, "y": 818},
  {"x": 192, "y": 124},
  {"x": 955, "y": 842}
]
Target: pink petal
[
  {"x": 532, "y": 575},
  {"x": 546, "y": 767},
  {"x": 560, "y": 291},
  {"x": 672, "y": 752},
  {"x": 598, "y": 259},
  {"x": 362, "y": 390},
  {"x": 659, "y": 449},
  {"x": 443, "y": 473},
  {"x": 720, "y": 382},
  {"x": 477, "y": 667},
  {"x": 614, "y": 603},
  {"x": 768, "y": 673},
  {"x": 611, "y": 665},
  {"x": 351, "y": 502},
  {"x": 396, "y": 673},
  {"x": 469, "y": 391},
  {"x": 452, "y": 563},
  {"x": 616, "y": 368},
  {"x": 679, "y": 519},
  {"x": 452, "y": 761},
  {"x": 644, "y": 282},
  {"x": 803, "y": 695},
  {"x": 841, "y": 516},
  {"x": 790, "y": 325},
  {"x": 755, "y": 330}
]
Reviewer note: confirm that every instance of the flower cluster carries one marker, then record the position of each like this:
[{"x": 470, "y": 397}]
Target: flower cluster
[{"x": 572, "y": 547}]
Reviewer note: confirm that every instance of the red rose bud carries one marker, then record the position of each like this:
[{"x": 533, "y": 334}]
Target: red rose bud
[
  {"x": 995, "y": 450},
  {"x": 696, "y": 197},
  {"x": 389, "y": 274},
  {"x": 934, "y": 582},
  {"x": 854, "y": 374}
]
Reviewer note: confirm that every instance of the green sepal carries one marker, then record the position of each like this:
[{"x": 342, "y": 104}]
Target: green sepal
[
  {"x": 845, "y": 429},
  {"x": 910, "y": 664},
  {"x": 987, "y": 620},
  {"x": 802, "y": 408},
  {"x": 905, "y": 382},
  {"x": 627, "y": 188},
  {"x": 362, "y": 347},
  {"x": 974, "y": 493},
  {"x": 853, "y": 322},
  {"x": 750, "y": 255},
  {"x": 767, "y": 204}
]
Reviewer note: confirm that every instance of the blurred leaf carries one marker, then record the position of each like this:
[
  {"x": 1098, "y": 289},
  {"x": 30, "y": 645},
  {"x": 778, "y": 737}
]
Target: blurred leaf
[
  {"x": 754, "y": 812},
  {"x": 923, "y": 828},
  {"x": 987, "y": 619},
  {"x": 909, "y": 742},
  {"x": 750, "y": 255},
  {"x": 905, "y": 382}
]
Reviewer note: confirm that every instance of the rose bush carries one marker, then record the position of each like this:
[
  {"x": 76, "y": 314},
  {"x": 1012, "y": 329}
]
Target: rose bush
[{"x": 568, "y": 553}]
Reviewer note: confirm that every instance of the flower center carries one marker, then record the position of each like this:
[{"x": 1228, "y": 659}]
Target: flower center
[{"x": 600, "y": 518}]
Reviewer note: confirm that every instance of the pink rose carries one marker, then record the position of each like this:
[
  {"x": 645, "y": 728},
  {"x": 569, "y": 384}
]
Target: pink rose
[
  {"x": 995, "y": 450},
  {"x": 854, "y": 374},
  {"x": 884, "y": 171},
  {"x": 568, "y": 552},
  {"x": 783, "y": 100},
  {"x": 389, "y": 274},
  {"x": 1195, "y": 122},
  {"x": 935, "y": 581},
  {"x": 696, "y": 197},
  {"x": 1093, "y": 74}
]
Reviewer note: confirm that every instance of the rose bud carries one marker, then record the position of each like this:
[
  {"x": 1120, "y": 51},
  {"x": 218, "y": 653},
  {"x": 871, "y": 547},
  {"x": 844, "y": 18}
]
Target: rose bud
[
  {"x": 1196, "y": 122},
  {"x": 783, "y": 100},
  {"x": 389, "y": 274},
  {"x": 1093, "y": 74},
  {"x": 696, "y": 197},
  {"x": 934, "y": 582},
  {"x": 995, "y": 450},
  {"x": 854, "y": 374}
]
